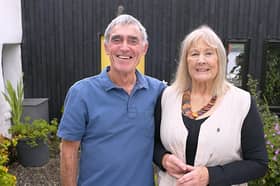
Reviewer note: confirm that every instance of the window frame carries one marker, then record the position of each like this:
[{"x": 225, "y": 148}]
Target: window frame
[
  {"x": 266, "y": 45},
  {"x": 245, "y": 69}
]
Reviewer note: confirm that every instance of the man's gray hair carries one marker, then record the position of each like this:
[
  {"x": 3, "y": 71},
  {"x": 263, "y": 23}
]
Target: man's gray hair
[{"x": 125, "y": 19}]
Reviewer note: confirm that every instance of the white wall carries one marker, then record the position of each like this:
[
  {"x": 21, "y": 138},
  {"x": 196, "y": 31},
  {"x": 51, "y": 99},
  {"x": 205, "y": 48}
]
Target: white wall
[
  {"x": 10, "y": 21},
  {"x": 11, "y": 63},
  {"x": 10, "y": 53}
]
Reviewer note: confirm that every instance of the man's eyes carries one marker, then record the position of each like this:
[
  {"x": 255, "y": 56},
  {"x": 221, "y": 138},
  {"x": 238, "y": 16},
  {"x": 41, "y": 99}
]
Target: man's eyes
[
  {"x": 133, "y": 41},
  {"x": 130, "y": 40},
  {"x": 116, "y": 39}
]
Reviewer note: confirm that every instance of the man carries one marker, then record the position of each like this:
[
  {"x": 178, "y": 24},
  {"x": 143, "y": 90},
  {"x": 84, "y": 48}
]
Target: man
[{"x": 109, "y": 117}]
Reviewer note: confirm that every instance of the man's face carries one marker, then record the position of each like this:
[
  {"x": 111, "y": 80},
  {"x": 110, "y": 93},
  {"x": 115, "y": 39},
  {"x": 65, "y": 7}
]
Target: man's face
[{"x": 125, "y": 48}]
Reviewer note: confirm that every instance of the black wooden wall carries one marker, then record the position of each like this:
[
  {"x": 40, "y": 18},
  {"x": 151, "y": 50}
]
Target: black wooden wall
[{"x": 61, "y": 38}]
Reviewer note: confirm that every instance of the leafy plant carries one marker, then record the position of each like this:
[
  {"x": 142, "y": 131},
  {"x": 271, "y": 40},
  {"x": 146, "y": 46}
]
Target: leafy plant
[
  {"x": 54, "y": 140},
  {"x": 33, "y": 132},
  {"x": 272, "y": 137},
  {"x": 5, "y": 177},
  {"x": 14, "y": 98},
  {"x": 272, "y": 77}
]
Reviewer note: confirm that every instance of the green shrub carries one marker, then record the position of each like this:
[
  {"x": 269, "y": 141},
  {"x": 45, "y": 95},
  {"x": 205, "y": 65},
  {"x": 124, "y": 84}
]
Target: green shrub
[
  {"x": 272, "y": 78},
  {"x": 32, "y": 132},
  {"x": 272, "y": 137},
  {"x": 6, "y": 178}
]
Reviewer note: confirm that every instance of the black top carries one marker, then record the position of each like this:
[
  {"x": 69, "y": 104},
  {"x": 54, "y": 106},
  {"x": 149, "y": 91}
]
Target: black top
[
  {"x": 193, "y": 127},
  {"x": 255, "y": 160}
]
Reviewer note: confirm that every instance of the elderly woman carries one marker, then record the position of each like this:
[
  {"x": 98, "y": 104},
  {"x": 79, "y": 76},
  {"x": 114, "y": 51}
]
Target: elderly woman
[{"x": 208, "y": 132}]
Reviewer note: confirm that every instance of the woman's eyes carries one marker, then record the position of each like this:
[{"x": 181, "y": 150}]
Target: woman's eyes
[
  {"x": 208, "y": 53},
  {"x": 194, "y": 54},
  {"x": 205, "y": 54}
]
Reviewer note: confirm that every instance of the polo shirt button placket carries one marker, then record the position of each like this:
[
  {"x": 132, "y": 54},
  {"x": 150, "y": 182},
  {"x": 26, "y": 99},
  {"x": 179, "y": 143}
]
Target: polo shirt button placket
[{"x": 131, "y": 109}]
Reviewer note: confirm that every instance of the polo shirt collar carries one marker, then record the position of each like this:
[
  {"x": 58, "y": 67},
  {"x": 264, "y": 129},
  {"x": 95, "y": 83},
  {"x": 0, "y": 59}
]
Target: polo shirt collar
[{"x": 107, "y": 84}]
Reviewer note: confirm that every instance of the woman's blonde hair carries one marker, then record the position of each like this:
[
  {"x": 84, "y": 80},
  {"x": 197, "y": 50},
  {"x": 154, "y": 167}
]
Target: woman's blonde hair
[{"x": 182, "y": 79}]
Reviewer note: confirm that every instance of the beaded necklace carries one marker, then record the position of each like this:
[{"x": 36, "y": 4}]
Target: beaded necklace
[{"x": 186, "y": 106}]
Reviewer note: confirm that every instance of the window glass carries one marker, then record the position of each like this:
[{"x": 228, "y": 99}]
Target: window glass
[{"x": 236, "y": 65}]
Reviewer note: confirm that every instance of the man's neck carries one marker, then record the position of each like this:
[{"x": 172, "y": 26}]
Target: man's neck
[{"x": 123, "y": 80}]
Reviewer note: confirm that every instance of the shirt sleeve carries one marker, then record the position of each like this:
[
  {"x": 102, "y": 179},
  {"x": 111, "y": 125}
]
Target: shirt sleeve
[
  {"x": 73, "y": 122},
  {"x": 159, "y": 149},
  {"x": 255, "y": 160}
]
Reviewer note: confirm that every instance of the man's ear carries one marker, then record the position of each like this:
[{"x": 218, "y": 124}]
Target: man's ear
[
  {"x": 106, "y": 47},
  {"x": 146, "y": 46}
]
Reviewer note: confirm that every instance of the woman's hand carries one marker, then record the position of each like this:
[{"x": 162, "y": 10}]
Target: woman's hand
[
  {"x": 174, "y": 166},
  {"x": 199, "y": 176}
]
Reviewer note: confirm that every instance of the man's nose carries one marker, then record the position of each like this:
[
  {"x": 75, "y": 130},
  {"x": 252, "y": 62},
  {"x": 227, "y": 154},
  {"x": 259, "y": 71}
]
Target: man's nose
[{"x": 124, "y": 45}]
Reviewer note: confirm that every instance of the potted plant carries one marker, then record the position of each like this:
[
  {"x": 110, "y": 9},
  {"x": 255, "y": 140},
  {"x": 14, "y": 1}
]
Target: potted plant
[{"x": 32, "y": 147}]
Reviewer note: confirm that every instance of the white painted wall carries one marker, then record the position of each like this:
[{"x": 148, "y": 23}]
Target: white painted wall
[
  {"x": 10, "y": 53},
  {"x": 11, "y": 63},
  {"x": 10, "y": 21}
]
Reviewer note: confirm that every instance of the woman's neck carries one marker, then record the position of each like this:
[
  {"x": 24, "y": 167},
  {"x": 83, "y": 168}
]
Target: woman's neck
[{"x": 201, "y": 89}]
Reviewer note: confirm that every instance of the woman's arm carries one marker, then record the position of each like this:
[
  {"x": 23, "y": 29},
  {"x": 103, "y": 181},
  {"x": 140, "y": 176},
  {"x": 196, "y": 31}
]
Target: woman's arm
[
  {"x": 159, "y": 150},
  {"x": 255, "y": 159},
  {"x": 162, "y": 158}
]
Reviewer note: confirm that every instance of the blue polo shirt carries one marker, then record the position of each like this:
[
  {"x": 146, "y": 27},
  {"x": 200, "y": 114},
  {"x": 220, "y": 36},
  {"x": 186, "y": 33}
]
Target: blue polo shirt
[{"x": 116, "y": 130}]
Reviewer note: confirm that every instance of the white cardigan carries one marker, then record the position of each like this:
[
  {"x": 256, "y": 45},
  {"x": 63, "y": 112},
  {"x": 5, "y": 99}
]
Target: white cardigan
[{"x": 219, "y": 139}]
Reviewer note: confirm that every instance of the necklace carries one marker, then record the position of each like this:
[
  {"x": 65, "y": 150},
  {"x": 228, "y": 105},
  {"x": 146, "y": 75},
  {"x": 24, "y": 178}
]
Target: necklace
[{"x": 186, "y": 106}]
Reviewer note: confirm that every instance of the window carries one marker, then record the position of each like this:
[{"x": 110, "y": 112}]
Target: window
[{"x": 237, "y": 65}]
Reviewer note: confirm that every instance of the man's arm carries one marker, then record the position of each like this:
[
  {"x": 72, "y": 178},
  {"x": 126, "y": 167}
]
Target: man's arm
[{"x": 69, "y": 162}]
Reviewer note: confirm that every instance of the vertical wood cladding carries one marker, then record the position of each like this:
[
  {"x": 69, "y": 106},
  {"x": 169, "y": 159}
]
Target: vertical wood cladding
[{"x": 61, "y": 38}]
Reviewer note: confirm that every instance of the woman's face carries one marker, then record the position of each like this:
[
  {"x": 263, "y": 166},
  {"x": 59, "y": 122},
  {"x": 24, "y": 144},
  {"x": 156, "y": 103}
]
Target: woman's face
[{"x": 202, "y": 61}]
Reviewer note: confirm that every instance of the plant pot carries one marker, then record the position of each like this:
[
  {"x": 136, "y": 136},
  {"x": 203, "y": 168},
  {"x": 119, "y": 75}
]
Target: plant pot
[{"x": 32, "y": 156}]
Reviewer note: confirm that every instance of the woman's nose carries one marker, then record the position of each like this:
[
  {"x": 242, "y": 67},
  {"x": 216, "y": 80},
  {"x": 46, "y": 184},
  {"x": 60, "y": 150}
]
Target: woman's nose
[{"x": 201, "y": 58}]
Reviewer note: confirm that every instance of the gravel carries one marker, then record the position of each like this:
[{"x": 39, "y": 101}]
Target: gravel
[{"x": 47, "y": 175}]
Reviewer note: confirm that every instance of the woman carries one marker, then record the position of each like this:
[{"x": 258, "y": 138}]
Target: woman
[{"x": 208, "y": 132}]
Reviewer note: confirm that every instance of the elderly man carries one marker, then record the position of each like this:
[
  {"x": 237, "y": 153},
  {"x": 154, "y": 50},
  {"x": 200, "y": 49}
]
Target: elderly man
[{"x": 110, "y": 116}]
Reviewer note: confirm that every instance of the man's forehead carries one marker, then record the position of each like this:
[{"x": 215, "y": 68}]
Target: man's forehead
[
  {"x": 126, "y": 30},
  {"x": 125, "y": 36}
]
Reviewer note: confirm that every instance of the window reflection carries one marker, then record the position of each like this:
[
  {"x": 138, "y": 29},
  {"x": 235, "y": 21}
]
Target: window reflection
[{"x": 236, "y": 62}]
